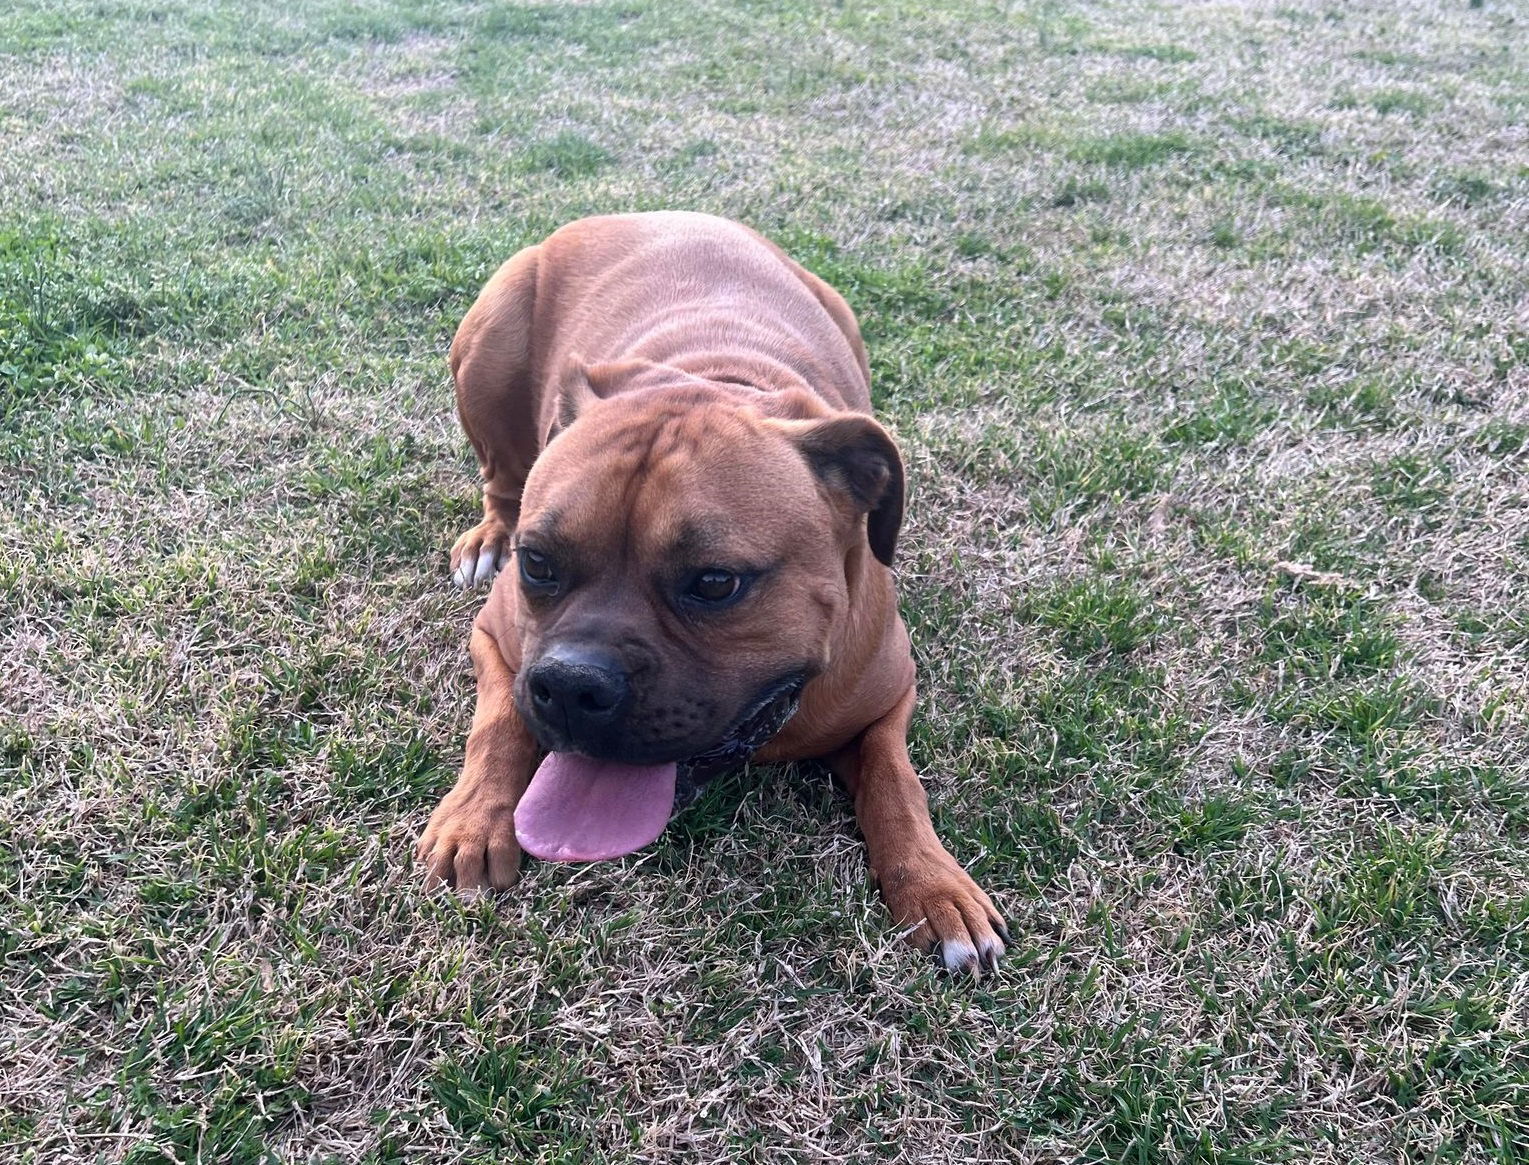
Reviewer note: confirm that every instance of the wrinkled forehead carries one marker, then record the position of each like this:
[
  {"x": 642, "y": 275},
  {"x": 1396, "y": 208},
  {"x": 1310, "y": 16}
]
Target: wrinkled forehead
[{"x": 698, "y": 492}]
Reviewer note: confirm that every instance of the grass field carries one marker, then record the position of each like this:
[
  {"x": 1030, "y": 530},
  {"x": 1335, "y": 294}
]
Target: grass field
[{"x": 1203, "y": 330}]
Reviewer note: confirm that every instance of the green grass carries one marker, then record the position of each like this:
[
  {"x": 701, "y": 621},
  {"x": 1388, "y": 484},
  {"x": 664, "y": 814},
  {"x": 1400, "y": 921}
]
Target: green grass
[{"x": 1201, "y": 330}]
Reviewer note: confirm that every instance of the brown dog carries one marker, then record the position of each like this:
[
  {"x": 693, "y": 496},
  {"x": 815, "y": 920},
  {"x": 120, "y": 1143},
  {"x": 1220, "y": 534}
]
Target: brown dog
[{"x": 671, "y": 417}]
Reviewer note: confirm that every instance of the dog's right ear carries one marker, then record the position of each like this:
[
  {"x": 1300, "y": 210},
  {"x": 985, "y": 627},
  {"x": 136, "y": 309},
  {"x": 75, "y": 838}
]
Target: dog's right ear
[
  {"x": 574, "y": 394},
  {"x": 581, "y": 384},
  {"x": 575, "y": 390}
]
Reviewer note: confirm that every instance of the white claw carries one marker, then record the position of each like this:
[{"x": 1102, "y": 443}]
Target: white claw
[
  {"x": 958, "y": 954},
  {"x": 463, "y": 574},
  {"x": 487, "y": 567},
  {"x": 992, "y": 951}
]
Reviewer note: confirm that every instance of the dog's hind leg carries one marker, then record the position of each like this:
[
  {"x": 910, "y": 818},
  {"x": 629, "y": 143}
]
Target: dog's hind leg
[{"x": 496, "y": 400}]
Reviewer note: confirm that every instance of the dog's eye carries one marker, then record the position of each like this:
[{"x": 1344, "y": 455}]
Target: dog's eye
[
  {"x": 715, "y": 586},
  {"x": 536, "y": 569}
]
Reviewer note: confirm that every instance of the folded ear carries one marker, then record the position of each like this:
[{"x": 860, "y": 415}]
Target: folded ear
[
  {"x": 854, "y": 455},
  {"x": 575, "y": 390},
  {"x": 581, "y": 383}
]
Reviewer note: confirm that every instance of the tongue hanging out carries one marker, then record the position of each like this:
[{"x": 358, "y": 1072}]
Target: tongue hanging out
[{"x": 582, "y": 810}]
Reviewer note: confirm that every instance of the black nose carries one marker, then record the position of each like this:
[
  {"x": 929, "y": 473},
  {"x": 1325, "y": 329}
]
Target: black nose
[{"x": 578, "y": 691}]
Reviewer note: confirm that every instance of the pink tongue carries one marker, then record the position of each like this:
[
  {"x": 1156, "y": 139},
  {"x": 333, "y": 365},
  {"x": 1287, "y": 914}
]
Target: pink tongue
[{"x": 582, "y": 810}]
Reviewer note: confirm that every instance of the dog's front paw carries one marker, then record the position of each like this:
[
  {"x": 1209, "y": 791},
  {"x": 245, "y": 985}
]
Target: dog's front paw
[
  {"x": 470, "y": 844},
  {"x": 479, "y": 553},
  {"x": 950, "y": 914}
]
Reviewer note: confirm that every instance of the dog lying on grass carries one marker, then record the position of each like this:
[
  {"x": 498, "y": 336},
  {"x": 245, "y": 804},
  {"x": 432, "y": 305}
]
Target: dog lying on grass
[{"x": 697, "y": 516}]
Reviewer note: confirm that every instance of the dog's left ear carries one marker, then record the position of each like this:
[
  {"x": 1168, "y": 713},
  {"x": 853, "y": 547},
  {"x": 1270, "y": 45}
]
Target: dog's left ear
[{"x": 854, "y": 455}]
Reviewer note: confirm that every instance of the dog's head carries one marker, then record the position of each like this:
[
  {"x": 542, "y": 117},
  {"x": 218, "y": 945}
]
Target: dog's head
[{"x": 681, "y": 562}]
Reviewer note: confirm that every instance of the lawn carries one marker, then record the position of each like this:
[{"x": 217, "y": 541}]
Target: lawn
[{"x": 1203, "y": 331}]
